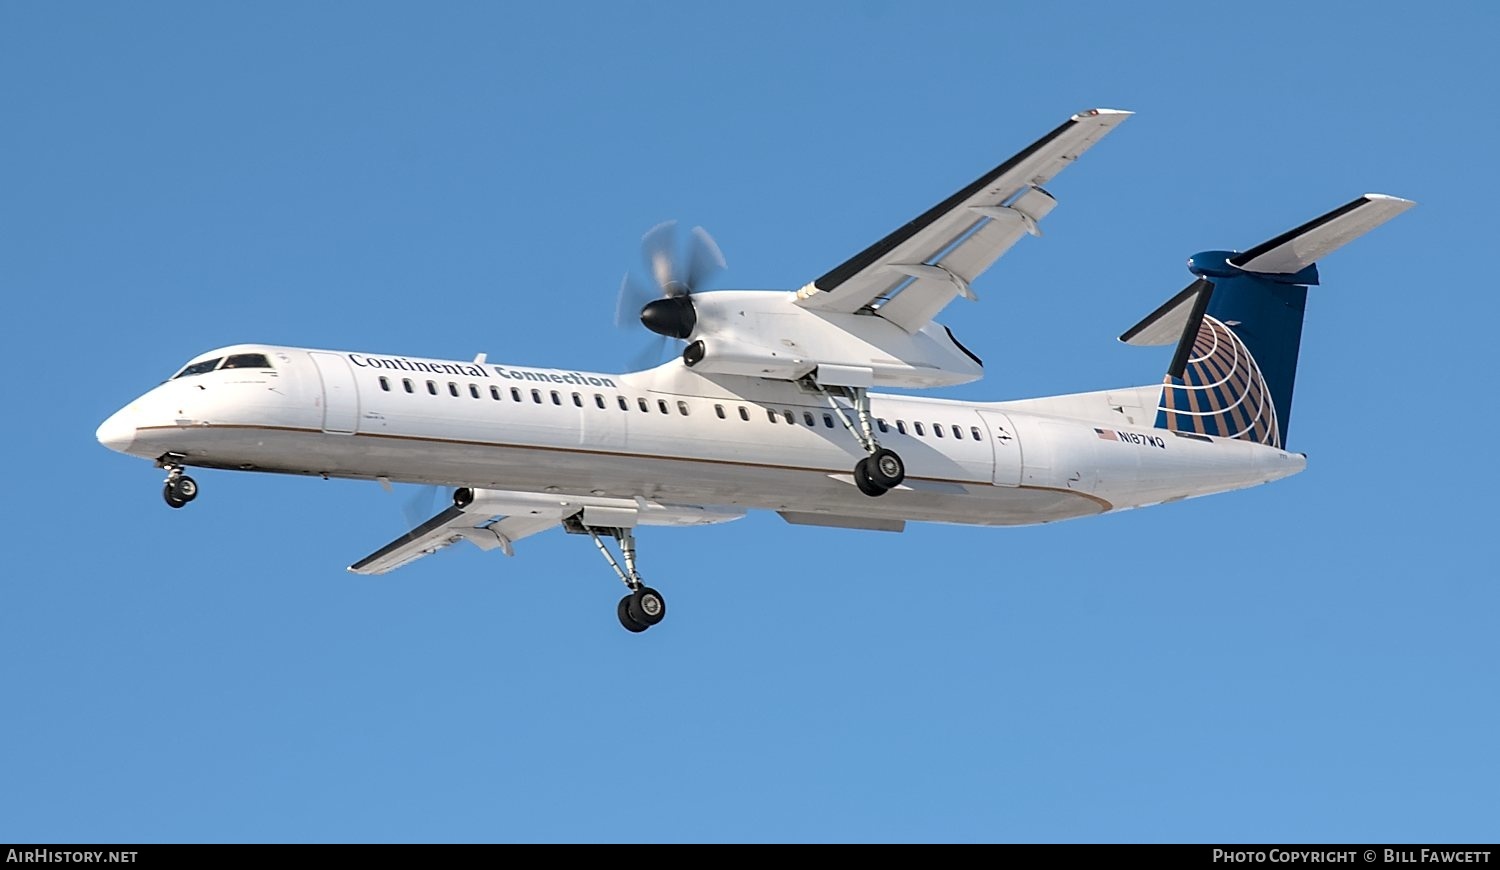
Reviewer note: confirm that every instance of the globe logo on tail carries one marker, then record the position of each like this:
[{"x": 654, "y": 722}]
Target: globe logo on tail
[{"x": 1221, "y": 392}]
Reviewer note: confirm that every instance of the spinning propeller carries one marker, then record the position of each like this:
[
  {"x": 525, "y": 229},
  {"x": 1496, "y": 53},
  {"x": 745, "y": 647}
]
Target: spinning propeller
[{"x": 677, "y": 271}]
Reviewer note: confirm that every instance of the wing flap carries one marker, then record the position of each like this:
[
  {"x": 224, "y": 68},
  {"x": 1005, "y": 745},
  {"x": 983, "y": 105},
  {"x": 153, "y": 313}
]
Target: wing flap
[{"x": 997, "y": 230}]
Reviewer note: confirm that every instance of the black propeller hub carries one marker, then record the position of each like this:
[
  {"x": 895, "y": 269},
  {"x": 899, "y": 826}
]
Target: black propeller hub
[{"x": 673, "y": 316}]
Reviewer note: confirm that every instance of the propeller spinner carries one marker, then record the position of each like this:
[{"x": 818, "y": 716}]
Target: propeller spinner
[{"x": 678, "y": 272}]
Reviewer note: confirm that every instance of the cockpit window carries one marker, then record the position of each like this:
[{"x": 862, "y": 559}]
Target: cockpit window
[
  {"x": 247, "y": 361},
  {"x": 199, "y": 368}
]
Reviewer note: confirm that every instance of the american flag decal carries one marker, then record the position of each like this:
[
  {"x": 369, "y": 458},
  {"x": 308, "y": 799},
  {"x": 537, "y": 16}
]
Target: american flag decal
[{"x": 1107, "y": 434}]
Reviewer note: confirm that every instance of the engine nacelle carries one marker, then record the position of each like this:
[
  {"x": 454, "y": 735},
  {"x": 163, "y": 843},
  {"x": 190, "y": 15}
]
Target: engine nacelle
[{"x": 763, "y": 334}]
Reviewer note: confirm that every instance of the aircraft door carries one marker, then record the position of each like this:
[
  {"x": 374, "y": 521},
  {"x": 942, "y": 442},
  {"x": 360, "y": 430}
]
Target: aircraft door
[
  {"x": 1006, "y": 443},
  {"x": 340, "y": 395}
]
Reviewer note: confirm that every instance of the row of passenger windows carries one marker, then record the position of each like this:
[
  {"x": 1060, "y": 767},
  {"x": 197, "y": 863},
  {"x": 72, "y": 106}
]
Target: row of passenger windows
[
  {"x": 810, "y": 419},
  {"x": 537, "y": 396},
  {"x": 775, "y": 416}
]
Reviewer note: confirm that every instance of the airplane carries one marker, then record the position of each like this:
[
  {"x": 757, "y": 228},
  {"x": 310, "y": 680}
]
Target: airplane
[{"x": 772, "y": 404}]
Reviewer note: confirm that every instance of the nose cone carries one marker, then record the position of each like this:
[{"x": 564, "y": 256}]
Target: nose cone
[{"x": 117, "y": 432}]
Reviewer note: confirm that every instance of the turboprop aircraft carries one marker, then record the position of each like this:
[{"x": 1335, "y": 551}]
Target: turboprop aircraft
[{"x": 772, "y": 404}]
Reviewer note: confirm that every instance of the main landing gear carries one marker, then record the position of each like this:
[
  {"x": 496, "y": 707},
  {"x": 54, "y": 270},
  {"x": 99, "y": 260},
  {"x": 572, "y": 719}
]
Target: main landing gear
[
  {"x": 178, "y": 489},
  {"x": 643, "y": 606},
  {"x": 882, "y": 470}
]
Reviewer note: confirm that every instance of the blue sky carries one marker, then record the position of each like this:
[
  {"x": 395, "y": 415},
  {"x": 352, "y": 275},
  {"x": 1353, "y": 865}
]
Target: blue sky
[{"x": 1312, "y": 660}]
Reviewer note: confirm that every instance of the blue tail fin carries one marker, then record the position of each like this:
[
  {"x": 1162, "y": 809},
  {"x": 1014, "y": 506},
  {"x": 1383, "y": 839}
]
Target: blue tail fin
[
  {"x": 1237, "y": 376},
  {"x": 1239, "y": 327}
]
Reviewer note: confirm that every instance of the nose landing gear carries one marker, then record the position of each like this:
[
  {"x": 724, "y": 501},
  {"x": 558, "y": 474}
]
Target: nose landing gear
[{"x": 178, "y": 489}]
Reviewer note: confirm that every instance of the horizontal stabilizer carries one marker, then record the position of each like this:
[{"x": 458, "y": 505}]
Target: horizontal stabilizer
[
  {"x": 1299, "y": 248},
  {"x": 1166, "y": 324}
]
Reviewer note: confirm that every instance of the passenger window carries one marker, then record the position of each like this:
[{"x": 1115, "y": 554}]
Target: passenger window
[
  {"x": 577, "y": 400},
  {"x": 880, "y": 424},
  {"x": 828, "y": 420},
  {"x": 901, "y": 426},
  {"x": 624, "y": 405},
  {"x": 807, "y": 418},
  {"x": 958, "y": 432},
  {"x": 682, "y": 408},
  {"x": 661, "y": 405},
  {"x": 453, "y": 388},
  {"x": 645, "y": 406},
  {"x": 406, "y": 382},
  {"x": 771, "y": 414},
  {"x": 937, "y": 429},
  {"x": 556, "y": 399},
  {"x": 385, "y": 383},
  {"x": 474, "y": 390},
  {"x": 207, "y": 365},
  {"x": 791, "y": 419},
  {"x": 536, "y": 396},
  {"x": 974, "y": 430},
  {"x": 247, "y": 361},
  {"x": 719, "y": 409},
  {"x": 432, "y": 387},
  {"x": 495, "y": 393},
  {"x": 515, "y": 394},
  {"x": 599, "y": 400},
  {"x": 744, "y": 414},
  {"x": 918, "y": 427}
]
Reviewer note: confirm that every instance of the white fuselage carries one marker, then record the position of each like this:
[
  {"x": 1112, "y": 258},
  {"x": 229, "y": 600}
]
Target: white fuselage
[{"x": 675, "y": 436}]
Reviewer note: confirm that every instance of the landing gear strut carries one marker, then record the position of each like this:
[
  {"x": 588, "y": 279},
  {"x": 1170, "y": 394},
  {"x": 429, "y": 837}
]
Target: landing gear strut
[
  {"x": 882, "y": 470},
  {"x": 643, "y": 606},
  {"x": 178, "y": 489}
]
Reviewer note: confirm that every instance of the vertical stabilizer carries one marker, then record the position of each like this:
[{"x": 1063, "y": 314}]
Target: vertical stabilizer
[{"x": 1238, "y": 327}]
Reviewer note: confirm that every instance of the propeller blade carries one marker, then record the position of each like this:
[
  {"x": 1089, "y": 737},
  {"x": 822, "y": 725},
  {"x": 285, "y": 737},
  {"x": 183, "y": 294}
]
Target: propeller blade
[
  {"x": 421, "y": 505},
  {"x": 633, "y": 297},
  {"x": 678, "y": 272},
  {"x": 649, "y": 357},
  {"x": 659, "y": 245},
  {"x": 705, "y": 261}
]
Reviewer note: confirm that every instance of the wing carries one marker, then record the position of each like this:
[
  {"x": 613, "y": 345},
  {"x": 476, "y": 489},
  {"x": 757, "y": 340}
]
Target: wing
[
  {"x": 487, "y": 530},
  {"x": 911, "y": 274},
  {"x": 495, "y": 519}
]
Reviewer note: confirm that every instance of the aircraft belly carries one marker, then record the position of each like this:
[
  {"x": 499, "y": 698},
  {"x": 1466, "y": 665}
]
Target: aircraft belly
[{"x": 741, "y": 483}]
